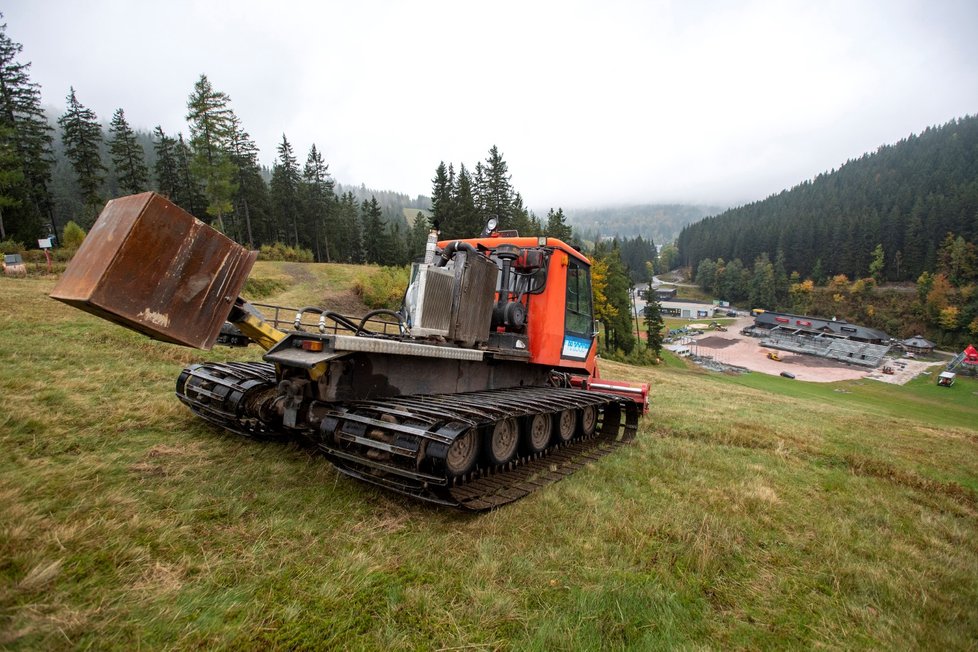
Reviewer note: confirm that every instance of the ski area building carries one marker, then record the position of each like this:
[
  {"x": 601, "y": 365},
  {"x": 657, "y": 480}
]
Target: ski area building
[{"x": 827, "y": 338}]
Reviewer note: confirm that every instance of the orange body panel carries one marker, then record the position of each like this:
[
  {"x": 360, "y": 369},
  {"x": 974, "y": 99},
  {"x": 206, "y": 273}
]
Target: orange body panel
[{"x": 546, "y": 311}]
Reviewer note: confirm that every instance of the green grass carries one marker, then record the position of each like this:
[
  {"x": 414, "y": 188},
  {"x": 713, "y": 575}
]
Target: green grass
[
  {"x": 919, "y": 400},
  {"x": 752, "y": 512}
]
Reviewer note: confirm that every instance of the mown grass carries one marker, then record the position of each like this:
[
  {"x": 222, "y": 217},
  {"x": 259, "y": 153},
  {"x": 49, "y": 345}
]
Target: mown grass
[{"x": 752, "y": 512}]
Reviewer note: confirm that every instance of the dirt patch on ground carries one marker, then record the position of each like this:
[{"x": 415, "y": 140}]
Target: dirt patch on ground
[
  {"x": 714, "y": 342},
  {"x": 345, "y": 302},
  {"x": 732, "y": 348}
]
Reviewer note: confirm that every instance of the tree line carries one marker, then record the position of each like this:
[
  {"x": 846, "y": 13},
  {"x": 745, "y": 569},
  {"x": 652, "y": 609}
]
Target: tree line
[
  {"x": 944, "y": 306},
  {"x": 904, "y": 198}
]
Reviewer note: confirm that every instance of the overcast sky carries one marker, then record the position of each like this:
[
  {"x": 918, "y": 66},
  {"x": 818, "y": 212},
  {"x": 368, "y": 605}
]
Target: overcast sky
[{"x": 591, "y": 103}]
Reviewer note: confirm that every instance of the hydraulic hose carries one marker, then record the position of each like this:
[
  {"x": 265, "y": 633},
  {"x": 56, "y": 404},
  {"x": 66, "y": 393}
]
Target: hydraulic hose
[{"x": 449, "y": 252}]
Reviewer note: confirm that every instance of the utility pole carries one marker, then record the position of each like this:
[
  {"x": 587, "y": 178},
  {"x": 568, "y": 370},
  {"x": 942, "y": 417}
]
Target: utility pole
[{"x": 638, "y": 333}]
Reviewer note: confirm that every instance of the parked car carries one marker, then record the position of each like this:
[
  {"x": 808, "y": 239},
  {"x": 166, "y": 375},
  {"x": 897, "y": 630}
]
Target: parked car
[{"x": 788, "y": 374}]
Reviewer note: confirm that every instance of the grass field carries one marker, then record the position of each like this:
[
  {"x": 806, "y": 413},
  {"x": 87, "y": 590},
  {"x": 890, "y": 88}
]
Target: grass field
[{"x": 752, "y": 512}]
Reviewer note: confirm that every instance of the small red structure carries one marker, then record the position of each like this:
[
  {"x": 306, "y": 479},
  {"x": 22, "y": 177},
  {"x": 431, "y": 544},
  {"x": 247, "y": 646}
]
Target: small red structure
[
  {"x": 970, "y": 355},
  {"x": 966, "y": 362}
]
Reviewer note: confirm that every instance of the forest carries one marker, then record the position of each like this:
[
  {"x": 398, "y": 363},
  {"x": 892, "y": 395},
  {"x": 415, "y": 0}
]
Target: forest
[{"x": 905, "y": 198}]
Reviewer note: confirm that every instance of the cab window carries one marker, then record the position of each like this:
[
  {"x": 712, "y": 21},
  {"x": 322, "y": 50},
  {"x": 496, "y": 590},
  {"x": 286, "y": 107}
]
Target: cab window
[{"x": 579, "y": 316}]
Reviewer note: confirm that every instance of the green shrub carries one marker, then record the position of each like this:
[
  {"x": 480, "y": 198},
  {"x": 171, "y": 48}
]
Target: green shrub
[
  {"x": 383, "y": 288},
  {"x": 11, "y": 247},
  {"x": 281, "y": 251},
  {"x": 72, "y": 236}
]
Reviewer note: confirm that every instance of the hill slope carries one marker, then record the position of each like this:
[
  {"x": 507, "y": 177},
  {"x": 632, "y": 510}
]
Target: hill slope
[
  {"x": 752, "y": 512},
  {"x": 906, "y": 196}
]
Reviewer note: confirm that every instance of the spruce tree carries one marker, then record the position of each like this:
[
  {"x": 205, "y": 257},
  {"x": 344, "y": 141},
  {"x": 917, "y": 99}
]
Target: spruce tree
[
  {"x": 468, "y": 221},
  {"x": 285, "y": 190},
  {"x": 167, "y": 172},
  {"x": 376, "y": 247},
  {"x": 127, "y": 155},
  {"x": 210, "y": 118},
  {"x": 521, "y": 219},
  {"x": 25, "y": 137},
  {"x": 81, "y": 135},
  {"x": 350, "y": 249},
  {"x": 190, "y": 196},
  {"x": 618, "y": 327},
  {"x": 11, "y": 176},
  {"x": 441, "y": 200},
  {"x": 557, "y": 227},
  {"x": 318, "y": 200},
  {"x": 653, "y": 322},
  {"x": 762, "y": 285},
  {"x": 418, "y": 237},
  {"x": 498, "y": 192},
  {"x": 251, "y": 193},
  {"x": 781, "y": 281}
]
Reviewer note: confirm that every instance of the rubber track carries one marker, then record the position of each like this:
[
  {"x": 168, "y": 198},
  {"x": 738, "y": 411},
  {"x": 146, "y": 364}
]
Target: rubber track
[
  {"x": 219, "y": 392},
  {"x": 488, "y": 488}
]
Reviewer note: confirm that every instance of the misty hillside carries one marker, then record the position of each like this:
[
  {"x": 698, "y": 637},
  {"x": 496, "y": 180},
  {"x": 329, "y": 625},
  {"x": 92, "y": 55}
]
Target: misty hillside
[
  {"x": 660, "y": 222},
  {"x": 906, "y": 197}
]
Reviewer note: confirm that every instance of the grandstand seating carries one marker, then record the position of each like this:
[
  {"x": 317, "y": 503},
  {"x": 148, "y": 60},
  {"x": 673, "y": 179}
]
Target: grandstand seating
[{"x": 835, "y": 348}]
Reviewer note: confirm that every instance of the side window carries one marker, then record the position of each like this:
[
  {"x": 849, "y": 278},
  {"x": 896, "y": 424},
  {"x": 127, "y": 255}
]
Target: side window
[{"x": 579, "y": 316}]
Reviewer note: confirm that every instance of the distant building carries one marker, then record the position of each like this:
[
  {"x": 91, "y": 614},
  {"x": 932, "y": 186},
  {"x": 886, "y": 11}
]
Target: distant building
[
  {"x": 802, "y": 325},
  {"x": 665, "y": 294},
  {"x": 686, "y": 309},
  {"x": 918, "y": 344}
]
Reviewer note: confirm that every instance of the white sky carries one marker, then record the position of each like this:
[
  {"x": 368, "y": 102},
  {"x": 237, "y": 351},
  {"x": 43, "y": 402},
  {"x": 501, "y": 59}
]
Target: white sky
[{"x": 591, "y": 103}]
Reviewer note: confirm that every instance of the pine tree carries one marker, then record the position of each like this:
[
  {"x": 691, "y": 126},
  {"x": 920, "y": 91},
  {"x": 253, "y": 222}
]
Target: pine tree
[
  {"x": 210, "y": 119},
  {"x": 762, "y": 284},
  {"x": 285, "y": 190},
  {"x": 442, "y": 213},
  {"x": 618, "y": 327},
  {"x": 557, "y": 227},
  {"x": 348, "y": 229},
  {"x": 11, "y": 176},
  {"x": 498, "y": 191},
  {"x": 781, "y": 281},
  {"x": 468, "y": 223},
  {"x": 375, "y": 244},
  {"x": 318, "y": 201},
  {"x": 190, "y": 196},
  {"x": 81, "y": 135},
  {"x": 128, "y": 157},
  {"x": 25, "y": 138},
  {"x": 653, "y": 322},
  {"x": 520, "y": 218},
  {"x": 396, "y": 246},
  {"x": 418, "y": 237},
  {"x": 251, "y": 192},
  {"x": 165, "y": 167}
]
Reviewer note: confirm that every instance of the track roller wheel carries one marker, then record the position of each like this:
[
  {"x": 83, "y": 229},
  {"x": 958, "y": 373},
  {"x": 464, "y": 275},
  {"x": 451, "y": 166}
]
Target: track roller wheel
[
  {"x": 538, "y": 431},
  {"x": 589, "y": 420},
  {"x": 462, "y": 454},
  {"x": 502, "y": 443},
  {"x": 566, "y": 420}
]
